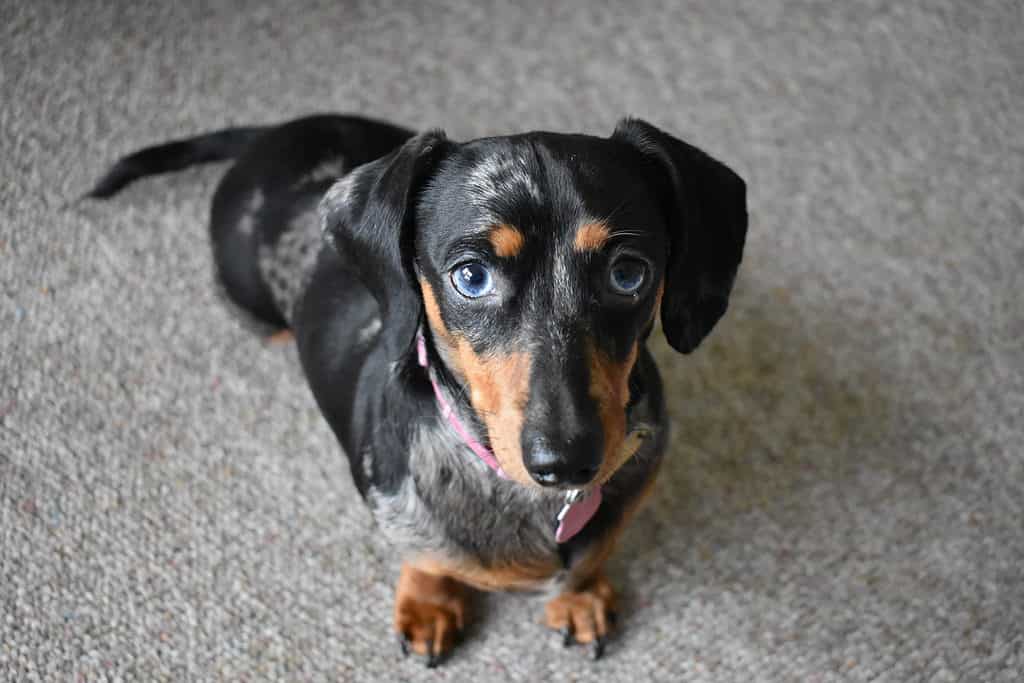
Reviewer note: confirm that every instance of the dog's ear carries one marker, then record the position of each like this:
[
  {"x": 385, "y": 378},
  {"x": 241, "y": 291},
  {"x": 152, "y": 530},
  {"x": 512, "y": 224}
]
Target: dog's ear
[
  {"x": 369, "y": 218},
  {"x": 706, "y": 209}
]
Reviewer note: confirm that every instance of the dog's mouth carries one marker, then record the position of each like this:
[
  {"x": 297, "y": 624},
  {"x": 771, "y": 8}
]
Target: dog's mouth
[
  {"x": 614, "y": 460},
  {"x": 503, "y": 439}
]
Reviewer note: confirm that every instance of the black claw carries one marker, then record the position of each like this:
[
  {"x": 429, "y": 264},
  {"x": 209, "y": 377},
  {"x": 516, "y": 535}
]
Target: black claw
[
  {"x": 598, "y": 650},
  {"x": 567, "y": 636},
  {"x": 403, "y": 644},
  {"x": 431, "y": 657}
]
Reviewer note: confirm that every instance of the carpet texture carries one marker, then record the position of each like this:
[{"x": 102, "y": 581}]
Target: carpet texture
[{"x": 844, "y": 496}]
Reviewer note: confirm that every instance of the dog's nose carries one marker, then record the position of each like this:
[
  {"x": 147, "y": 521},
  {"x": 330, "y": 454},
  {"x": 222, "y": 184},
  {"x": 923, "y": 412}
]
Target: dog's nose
[{"x": 571, "y": 467}]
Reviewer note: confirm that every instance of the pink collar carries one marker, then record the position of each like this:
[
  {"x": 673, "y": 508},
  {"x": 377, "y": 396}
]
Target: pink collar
[
  {"x": 446, "y": 409},
  {"x": 576, "y": 510}
]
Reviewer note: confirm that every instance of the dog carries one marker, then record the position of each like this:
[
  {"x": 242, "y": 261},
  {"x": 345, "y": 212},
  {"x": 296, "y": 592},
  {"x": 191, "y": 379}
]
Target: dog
[{"x": 472, "y": 320}]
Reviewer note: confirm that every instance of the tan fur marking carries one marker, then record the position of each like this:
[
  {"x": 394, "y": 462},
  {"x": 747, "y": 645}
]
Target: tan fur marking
[
  {"x": 430, "y": 305},
  {"x": 591, "y": 237},
  {"x": 498, "y": 389},
  {"x": 609, "y": 386},
  {"x": 507, "y": 240},
  {"x": 657, "y": 301},
  {"x": 430, "y": 610},
  {"x": 585, "y": 612},
  {"x": 281, "y": 337},
  {"x": 499, "y": 578}
]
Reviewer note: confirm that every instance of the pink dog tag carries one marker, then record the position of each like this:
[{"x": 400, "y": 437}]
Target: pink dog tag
[{"x": 575, "y": 514}]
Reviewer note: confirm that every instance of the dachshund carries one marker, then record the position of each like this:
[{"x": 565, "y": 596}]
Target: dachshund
[{"x": 472, "y": 319}]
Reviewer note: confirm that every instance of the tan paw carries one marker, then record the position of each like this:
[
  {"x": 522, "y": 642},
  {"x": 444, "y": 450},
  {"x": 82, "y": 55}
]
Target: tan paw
[
  {"x": 584, "y": 616},
  {"x": 429, "y": 613}
]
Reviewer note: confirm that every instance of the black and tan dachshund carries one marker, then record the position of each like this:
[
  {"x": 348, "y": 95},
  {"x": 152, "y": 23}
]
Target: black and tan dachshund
[{"x": 472, "y": 319}]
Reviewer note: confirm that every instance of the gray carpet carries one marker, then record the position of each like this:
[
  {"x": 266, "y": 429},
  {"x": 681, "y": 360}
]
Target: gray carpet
[{"x": 843, "y": 498}]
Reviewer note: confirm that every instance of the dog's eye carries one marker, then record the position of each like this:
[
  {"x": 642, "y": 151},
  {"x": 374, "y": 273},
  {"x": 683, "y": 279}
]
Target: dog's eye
[
  {"x": 472, "y": 280},
  {"x": 627, "y": 276}
]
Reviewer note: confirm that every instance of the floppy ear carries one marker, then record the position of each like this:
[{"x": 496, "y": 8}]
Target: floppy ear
[
  {"x": 706, "y": 209},
  {"x": 369, "y": 218}
]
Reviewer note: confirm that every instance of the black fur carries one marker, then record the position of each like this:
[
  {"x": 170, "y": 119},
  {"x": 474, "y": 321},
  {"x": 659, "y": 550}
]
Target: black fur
[
  {"x": 706, "y": 205},
  {"x": 174, "y": 156},
  {"x": 401, "y": 214}
]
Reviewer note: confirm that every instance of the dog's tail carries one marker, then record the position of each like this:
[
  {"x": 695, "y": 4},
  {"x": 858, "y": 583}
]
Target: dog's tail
[{"x": 173, "y": 156}]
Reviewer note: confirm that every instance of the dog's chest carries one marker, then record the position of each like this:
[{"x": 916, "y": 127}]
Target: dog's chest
[{"x": 452, "y": 504}]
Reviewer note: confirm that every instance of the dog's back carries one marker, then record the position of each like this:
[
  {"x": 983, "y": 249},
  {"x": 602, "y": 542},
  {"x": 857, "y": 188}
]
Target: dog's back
[{"x": 263, "y": 223}]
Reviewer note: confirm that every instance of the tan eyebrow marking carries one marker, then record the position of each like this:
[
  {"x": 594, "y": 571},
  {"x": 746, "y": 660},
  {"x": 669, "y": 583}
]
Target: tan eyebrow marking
[
  {"x": 592, "y": 237},
  {"x": 507, "y": 240}
]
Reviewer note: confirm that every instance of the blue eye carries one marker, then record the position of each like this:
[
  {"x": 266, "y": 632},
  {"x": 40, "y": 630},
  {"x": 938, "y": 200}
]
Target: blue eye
[
  {"x": 472, "y": 280},
  {"x": 627, "y": 276}
]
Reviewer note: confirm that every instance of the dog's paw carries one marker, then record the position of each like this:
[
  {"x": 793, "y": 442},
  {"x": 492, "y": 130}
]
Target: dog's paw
[
  {"x": 584, "y": 616},
  {"x": 429, "y": 614}
]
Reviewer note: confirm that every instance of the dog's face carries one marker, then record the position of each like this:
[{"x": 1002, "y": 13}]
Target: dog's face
[
  {"x": 540, "y": 259},
  {"x": 540, "y": 263}
]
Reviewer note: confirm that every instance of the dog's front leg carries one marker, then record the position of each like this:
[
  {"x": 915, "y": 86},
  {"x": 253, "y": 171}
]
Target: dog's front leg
[
  {"x": 584, "y": 612},
  {"x": 429, "y": 612}
]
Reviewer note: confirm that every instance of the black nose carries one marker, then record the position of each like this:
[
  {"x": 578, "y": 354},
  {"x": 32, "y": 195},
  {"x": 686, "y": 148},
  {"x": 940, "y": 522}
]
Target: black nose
[{"x": 571, "y": 466}]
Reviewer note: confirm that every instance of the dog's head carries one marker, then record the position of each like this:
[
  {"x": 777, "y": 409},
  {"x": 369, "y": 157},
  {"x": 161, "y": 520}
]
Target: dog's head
[{"x": 539, "y": 263}]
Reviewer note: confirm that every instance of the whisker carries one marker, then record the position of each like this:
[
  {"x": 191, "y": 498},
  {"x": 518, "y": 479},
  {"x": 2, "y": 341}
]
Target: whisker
[
  {"x": 625, "y": 233},
  {"x": 611, "y": 214}
]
